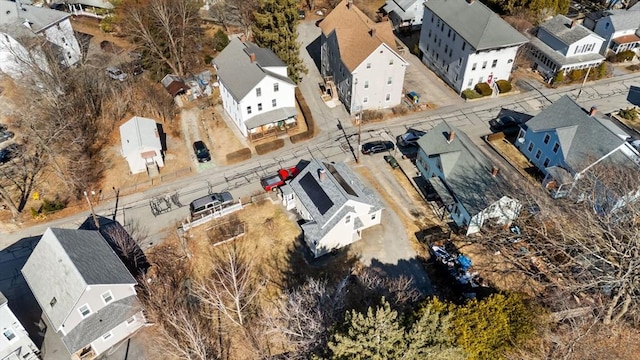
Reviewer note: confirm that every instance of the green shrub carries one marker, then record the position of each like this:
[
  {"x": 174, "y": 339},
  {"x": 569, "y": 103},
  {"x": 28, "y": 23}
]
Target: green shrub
[
  {"x": 504, "y": 86},
  {"x": 601, "y": 70},
  {"x": 51, "y": 206},
  {"x": 220, "y": 40},
  {"x": 625, "y": 55},
  {"x": 106, "y": 24},
  {"x": 371, "y": 115},
  {"x": 470, "y": 94},
  {"x": 629, "y": 114},
  {"x": 483, "y": 89},
  {"x": 270, "y": 146},
  {"x": 306, "y": 112},
  {"x": 239, "y": 155},
  {"x": 576, "y": 75},
  {"x": 559, "y": 77}
]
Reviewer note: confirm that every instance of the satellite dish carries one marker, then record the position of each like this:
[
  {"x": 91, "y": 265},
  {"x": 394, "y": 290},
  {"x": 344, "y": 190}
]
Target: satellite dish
[{"x": 521, "y": 140}]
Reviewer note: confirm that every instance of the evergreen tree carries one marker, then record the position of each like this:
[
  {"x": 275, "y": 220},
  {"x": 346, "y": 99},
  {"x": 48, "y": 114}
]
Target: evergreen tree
[
  {"x": 430, "y": 336},
  {"x": 275, "y": 28},
  {"x": 377, "y": 335}
]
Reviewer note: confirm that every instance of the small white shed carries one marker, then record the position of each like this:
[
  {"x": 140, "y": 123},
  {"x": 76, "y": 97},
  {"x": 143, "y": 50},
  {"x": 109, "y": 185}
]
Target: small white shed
[{"x": 141, "y": 145}]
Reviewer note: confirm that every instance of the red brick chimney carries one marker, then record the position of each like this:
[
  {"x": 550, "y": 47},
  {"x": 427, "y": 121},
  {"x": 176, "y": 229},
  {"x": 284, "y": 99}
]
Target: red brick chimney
[
  {"x": 252, "y": 57},
  {"x": 593, "y": 111},
  {"x": 452, "y": 135},
  {"x": 494, "y": 171}
]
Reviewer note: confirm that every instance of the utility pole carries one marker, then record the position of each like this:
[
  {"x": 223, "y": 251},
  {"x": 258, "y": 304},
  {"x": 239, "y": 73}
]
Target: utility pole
[
  {"x": 93, "y": 213},
  {"x": 358, "y": 119},
  {"x": 583, "y": 82}
]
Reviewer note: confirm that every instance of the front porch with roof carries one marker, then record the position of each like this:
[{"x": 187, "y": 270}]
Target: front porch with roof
[
  {"x": 272, "y": 123},
  {"x": 550, "y": 62},
  {"x": 625, "y": 42}
]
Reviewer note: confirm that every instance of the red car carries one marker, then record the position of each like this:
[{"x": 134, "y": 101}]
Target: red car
[{"x": 273, "y": 182}]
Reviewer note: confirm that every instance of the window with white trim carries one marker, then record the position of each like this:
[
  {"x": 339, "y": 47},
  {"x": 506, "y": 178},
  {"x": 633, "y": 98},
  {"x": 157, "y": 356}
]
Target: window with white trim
[
  {"x": 546, "y": 138},
  {"x": 391, "y": 62},
  {"x": 248, "y": 109},
  {"x": 84, "y": 310},
  {"x": 347, "y": 219},
  {"x": 274, "y": 103},
  {"x": 368, "y": 65},
  {"x": 259, "y": 106},
  {"x": 365, "y": 99},
  {"x": 366, "y": 84},
  {"x": 131, "y": 320},
  {"x": 9, "y": 334},
  {"x": 373, "y": 216},
  {"x": 107, "y": 336},
  {"x": 556, "y": 146},
  {"x": 538, "y": 153},
  {"x": 389, "y": 80},
  {"x": 484, "y": 64},
  {"x": 107, "y": 297},
  {"x": 473, "y": 67},
  {"x": 387, "y": 97},
  {"x": 258, "y": 92},
  {"x": 276, "y": 87}
]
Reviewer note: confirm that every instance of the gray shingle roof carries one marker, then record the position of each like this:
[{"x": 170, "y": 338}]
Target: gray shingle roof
[
  {"x": 476, "y": 23},
  {"x": 337, "y": 190},
  {"x": 625, "y": 19},
  {"x": 467, "y": 172},
  {"x": 583, "y": 139},
  {"x": 270, "y": 117},
  {"x": 101, "y": 322},
  {"x": 39, "y": 18},
  {"x": 560, "y": 59},
  {"x": 64, "y": 263},
  {"x": 236, "y": 71},
  {"x": 399, "y": 6},
  {"x": 560, "y": 27}
]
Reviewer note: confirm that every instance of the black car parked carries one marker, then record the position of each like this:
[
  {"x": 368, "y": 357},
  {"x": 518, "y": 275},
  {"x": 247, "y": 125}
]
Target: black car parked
[
  {"x": 374, "y": 147},
  {"x": 410, "y": 137},
  {"x": 505, "y": 124},
  {"x": 8, "y": 153},
  {"x": 201, "y": 151}
]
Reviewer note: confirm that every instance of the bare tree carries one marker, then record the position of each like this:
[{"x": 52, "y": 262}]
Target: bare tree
[
  {"x": 167, "y": 30},
  {"x": 233, "y": 284},
  {"x": 234, "y": 12}
]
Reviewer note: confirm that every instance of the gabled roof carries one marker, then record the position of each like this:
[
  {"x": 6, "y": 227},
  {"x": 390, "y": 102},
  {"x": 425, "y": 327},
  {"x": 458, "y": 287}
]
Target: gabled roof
[
  {"x": 326, "y": 199},
  {"x": 353, "y": 30},
  {"x": 583, "y": 138},
  {"x": 560, "y": 27},
  {"x": 620, "y": 19},
  {"x": 476, "y": 23},
  {"x": 101, "y": 322},
  {"x": 239, "y": 73},
  {"x": 139, "y": 134},
  {"x": 467, "y": 172},
  {"x": 38, "y": 18},
  {"x": 399, "y": 6},
  {"x": 64, "y": 263}
]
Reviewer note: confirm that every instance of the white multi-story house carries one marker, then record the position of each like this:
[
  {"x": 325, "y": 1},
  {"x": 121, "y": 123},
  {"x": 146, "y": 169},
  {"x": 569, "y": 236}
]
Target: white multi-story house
[
  {"x": 359, "y": 56},
  {"x": 465, "y": 43},
  {"x": 563, "y": 45},
  {"x": 87, "y": 295},
  {"x": 564, "y": 141},
  {"x": 26, "y": 30},
  {"x": 404, "y": 14},
  {"x": 256, "y": 92},
  {"x": 335, "y": 204},
  {"x": 15, "y": 343},
  {"x": 472, "y": 190},
  {"x": 619, "y": 28}
]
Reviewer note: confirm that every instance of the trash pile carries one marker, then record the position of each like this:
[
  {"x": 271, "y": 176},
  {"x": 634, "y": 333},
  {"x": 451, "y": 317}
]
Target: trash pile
[{"x": 457, "y": 264}]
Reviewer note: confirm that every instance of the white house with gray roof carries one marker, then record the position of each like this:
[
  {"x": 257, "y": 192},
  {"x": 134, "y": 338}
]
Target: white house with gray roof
[
  {"x": 141, "y": 145},
  {"x": 465, "y": 43},
  {"x": 471, "y": 189},
  {"x": 335, "y": 203},
  {"x": 562, "y": 45},
  {"x": 405, "y": 14},
  {"x": 87, "y": 295},
  {"x": 15, "y": 343},
  {"x": 256, "y": 92},
  {"x": 620, "y": 28},
  {"x": 564, "y": 141},
  {"x": 22, "y": 29}
]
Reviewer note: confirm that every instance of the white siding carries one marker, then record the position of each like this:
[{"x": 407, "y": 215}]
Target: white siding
[
  {"x": 119, "y": 333},
  {"x": 92, "y": 297},
  {"x": 20, "y": 345},
  {"x": 63, "y": 36},
  {"x": 15, "y": 60}
]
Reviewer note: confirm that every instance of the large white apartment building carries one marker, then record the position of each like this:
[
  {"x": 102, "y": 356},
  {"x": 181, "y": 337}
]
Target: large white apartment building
[{"x": 465, "y": 43}]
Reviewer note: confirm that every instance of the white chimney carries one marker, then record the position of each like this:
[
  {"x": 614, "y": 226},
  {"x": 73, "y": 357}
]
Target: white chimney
[{"x": 322, "y": 175}]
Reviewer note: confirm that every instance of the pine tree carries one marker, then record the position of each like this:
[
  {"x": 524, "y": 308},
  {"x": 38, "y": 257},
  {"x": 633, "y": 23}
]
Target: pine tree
[
  {"x": 275, "y": 28},
  {"x": 430, "y": 336},
  {"x": 377, "y": 335}
]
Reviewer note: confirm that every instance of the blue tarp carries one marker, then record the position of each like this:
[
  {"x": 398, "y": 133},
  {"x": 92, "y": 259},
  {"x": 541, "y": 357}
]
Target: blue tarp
[{"x": 464, "y": 262}]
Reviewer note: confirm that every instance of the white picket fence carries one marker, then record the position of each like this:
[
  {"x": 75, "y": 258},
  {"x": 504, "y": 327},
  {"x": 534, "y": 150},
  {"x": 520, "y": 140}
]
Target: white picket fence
[{"x": 186, "y": 226}]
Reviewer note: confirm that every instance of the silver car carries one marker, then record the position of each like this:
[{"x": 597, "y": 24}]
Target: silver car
[{"x": 116, "y": 74}]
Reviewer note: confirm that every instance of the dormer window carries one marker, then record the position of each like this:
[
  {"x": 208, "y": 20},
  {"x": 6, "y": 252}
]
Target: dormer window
[
  {"x": 9, "y": 334},
  {"x": 107, "y": 297},
  {"x": 84, "y": 310}
]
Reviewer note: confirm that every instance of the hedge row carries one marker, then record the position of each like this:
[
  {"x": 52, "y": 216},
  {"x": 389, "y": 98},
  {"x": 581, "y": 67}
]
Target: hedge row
[
  {"x": 239, "y": 155},
  {"x": 504, "y": 86},
  {"x": 306, "y": 113},
  {"x": 470, "y": 94},
  {"x": 270, "y": 146}
]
